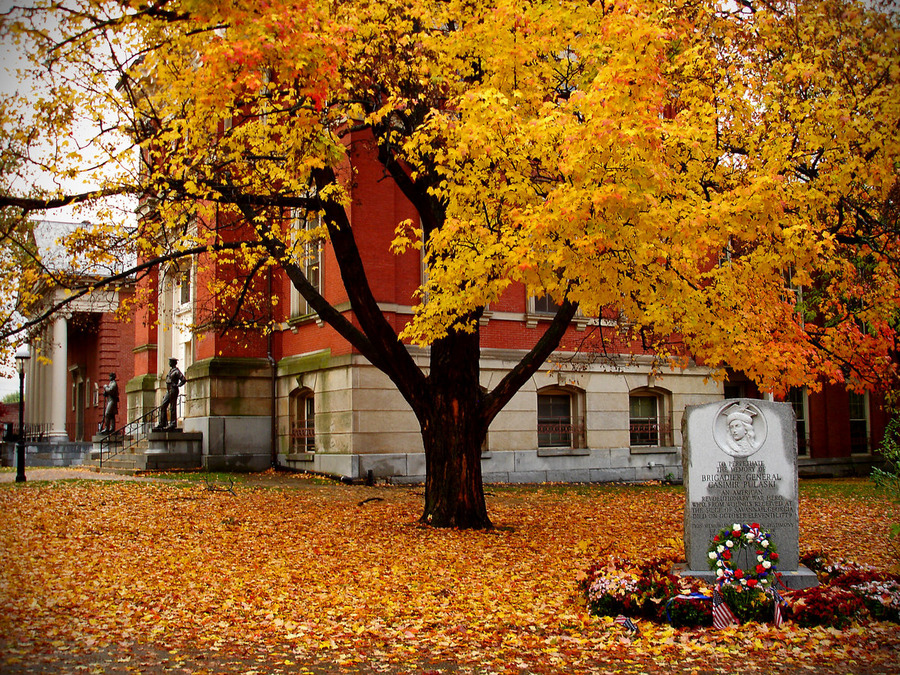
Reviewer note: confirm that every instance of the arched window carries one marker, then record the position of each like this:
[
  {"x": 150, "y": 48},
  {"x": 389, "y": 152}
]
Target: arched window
[
  {"x": 303, "y": 421},
  {"x": 650, "y": 418},
  {"x": 560, "y": 418}
]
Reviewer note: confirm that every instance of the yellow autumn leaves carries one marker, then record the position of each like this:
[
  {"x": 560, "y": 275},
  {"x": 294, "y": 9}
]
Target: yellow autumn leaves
[
  {"x": 680, "y": 163},
  {"x": 318, "y": 573}
]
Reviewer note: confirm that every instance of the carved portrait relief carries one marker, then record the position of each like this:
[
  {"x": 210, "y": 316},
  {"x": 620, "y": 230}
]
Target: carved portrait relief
[{"x": 739, "y": 428}]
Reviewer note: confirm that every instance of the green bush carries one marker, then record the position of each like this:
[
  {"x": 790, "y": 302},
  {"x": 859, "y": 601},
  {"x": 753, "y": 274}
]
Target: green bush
[
  {"x": 888, "y": 477},
  {"x": 689, "y": 612}
]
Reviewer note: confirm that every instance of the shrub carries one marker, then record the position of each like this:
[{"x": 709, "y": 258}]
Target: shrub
[
  {"x": 824, "y": 606},
  {"x": 881, "y": 598},
  {"x": 845, "y": 573},
  {"x": 888, "y": 478},
  {"x": 620, "y": 587},
  {"x": 848, "y": 591},
  {"x": 689, "y": 612},
  {"x": 610, "y": 589}
]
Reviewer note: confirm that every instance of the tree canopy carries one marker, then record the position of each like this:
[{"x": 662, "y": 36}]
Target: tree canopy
[
  {"x": 721, "y": 172},
  {"x": 609, "y": 153}
]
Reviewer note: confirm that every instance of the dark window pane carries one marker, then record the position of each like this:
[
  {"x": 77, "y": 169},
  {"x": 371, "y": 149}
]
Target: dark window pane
[{"x": 554, "y": 420}]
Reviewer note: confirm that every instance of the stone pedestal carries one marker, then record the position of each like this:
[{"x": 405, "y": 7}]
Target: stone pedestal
[{"x": 173, "y": 442}]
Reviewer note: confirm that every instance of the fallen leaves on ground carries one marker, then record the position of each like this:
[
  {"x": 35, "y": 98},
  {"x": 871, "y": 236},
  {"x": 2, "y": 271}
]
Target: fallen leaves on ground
[{"x": 295, "y": 576}]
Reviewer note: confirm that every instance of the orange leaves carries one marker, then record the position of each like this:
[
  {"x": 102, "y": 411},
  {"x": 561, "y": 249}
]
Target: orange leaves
[
  {"x": 611, "y": 152},
  {"x": 310, "y": 572}
]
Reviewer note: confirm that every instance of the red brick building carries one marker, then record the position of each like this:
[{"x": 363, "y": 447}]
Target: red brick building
[
  {"x": 838, "y": 431},
  {"x": 303, "y": 398}
]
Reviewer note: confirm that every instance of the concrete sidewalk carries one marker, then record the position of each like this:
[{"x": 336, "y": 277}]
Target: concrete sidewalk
[{"x": 67, "y": 473}]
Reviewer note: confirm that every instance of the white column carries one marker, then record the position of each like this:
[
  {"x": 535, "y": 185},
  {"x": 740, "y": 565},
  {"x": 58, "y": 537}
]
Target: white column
[{"x": 59, "y": 387}]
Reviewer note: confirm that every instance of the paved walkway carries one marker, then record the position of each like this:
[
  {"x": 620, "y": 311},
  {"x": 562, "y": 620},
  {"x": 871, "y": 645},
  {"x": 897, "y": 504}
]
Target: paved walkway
[
  {"x": 70, "y": 473},
  {"x": 270, "y": 478}
]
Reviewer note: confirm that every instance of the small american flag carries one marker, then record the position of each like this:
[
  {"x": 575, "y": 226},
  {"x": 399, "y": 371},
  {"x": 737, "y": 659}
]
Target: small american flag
[
  {"x": 722, "y": 615},
  {"x": 779, "y": 604},
  {"x": 628, "y": 624}
]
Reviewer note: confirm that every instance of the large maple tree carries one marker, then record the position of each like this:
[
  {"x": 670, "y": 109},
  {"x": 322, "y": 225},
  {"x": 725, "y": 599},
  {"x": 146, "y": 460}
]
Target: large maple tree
[{"x": 721, "y": 171}]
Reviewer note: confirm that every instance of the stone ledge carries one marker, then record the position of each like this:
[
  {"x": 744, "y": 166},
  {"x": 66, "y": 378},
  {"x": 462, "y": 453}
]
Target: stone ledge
[
  {"x": 653, "y": 450},
  {"x": 563, "y": 452},
  {"x": 301, "y": 457}
]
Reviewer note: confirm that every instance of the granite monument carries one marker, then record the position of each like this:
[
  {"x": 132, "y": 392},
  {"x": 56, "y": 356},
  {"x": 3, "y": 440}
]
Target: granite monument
[{"x": 740, "y": 467}]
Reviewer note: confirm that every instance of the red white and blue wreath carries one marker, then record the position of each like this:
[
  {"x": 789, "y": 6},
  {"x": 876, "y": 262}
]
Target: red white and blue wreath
[{"x": 728, "y": 542}]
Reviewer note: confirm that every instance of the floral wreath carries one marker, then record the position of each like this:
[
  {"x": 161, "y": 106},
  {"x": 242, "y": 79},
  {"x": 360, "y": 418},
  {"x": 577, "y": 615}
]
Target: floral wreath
[{"x": 728, "y": 541}]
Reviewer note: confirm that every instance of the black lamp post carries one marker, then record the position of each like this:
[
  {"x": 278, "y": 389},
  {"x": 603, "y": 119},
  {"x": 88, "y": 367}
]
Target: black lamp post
[{"x": 22, "y": 357}]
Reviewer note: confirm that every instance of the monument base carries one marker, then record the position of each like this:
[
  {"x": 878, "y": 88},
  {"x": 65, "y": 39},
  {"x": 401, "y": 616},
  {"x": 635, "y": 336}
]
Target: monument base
[{"x": 792, "y": 579}]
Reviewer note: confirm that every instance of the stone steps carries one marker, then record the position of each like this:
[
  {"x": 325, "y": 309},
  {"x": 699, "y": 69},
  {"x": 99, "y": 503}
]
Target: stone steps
[{"x": 160, "y": 451}]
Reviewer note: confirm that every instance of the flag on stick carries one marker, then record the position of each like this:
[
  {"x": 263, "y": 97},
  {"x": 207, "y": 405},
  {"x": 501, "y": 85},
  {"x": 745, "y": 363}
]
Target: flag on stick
[
  {"x": 722, "y": 615},
  {"x": 628, "y": 624},
  {"x": 779, "y": 604}
]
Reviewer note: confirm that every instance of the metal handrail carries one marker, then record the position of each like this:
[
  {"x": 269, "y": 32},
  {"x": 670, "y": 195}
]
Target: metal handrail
[{"x": 130, "y": 434}]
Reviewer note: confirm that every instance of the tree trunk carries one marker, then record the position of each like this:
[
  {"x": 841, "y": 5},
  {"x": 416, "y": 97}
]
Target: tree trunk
[
  {"x": 453, "y": 431},
  {"x": 454, "y": 496}
]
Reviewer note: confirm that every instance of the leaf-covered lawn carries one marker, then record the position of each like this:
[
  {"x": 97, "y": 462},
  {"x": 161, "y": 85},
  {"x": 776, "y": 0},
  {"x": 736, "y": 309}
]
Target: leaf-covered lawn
[{"x": 288, "y": 576}]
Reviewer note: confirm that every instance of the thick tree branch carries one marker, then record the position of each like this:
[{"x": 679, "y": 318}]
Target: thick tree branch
[
  {"x": 28, "y": 204},
  {"x": 530, "y": 363},
  {"x": 392, "y": 356},
  {"x": 320, "y": 305},
  {"x": 111, "y": 280}
]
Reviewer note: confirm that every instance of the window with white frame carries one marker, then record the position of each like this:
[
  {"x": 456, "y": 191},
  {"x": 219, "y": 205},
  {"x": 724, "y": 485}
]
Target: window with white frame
[
  {"x": 797, "y": 397},
  {"x": 184, "y": 287},
  {"x": 310, "y": 254},
  {"x": 545, "y": 305},
  {"x": 859, "y": 422}
]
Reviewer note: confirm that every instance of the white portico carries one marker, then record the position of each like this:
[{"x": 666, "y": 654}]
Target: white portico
[{"x": 53, "y": 384}]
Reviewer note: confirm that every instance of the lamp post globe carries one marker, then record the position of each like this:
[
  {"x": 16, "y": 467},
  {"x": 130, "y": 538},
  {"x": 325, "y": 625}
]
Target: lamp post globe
[{"x": 22, "y": 357}]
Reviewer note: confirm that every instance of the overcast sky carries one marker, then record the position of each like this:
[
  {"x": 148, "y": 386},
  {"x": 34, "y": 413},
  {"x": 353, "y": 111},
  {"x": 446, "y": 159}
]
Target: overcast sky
[
  {"x": 7, "y": 86},
  {"x": 10, "y": 60}
]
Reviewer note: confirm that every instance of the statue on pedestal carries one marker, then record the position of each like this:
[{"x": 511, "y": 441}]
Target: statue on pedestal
[
  {"x": 175, "y": 379},
  {"x": 111, "y": 409}
]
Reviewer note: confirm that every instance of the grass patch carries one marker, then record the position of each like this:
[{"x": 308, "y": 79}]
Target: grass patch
[
  {"x": 265, "y": 479},
  {"x": 583, "y": 489},
  {"x": 199, "y": 476},
  {"x": 843, "y": 488}
]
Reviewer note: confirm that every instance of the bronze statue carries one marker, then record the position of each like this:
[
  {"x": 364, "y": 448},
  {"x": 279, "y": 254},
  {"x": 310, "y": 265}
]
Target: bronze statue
[
  {"x": 169, "y": 416},
  {"x": 111, "y": 409}
]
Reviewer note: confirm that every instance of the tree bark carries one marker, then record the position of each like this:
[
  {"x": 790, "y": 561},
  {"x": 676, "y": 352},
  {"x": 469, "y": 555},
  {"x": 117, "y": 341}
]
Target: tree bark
[{"x": 451, "y": 415}]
